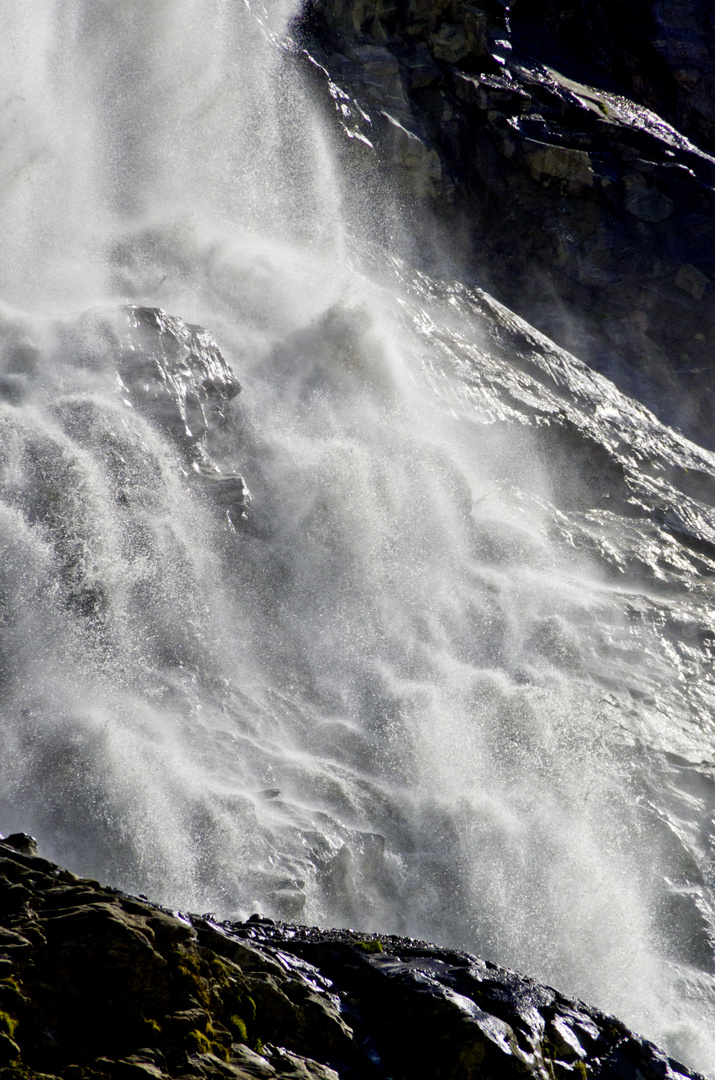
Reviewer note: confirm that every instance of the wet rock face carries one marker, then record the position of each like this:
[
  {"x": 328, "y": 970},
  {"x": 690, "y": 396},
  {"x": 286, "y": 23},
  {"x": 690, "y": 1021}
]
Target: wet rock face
[
  {"x": 97, "y": 985},
  {"x": 581, "y": 197},
  {"x": 663, "y": 54},
  {"x": 173, "y": 373},
  {"x": 104, "y": 420}
]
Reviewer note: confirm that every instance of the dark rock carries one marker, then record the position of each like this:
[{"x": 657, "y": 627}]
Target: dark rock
[
  {"x": 663, "y": 54},
  {"x": 553, "y": 149},
  {"x": 118, "y": 989},
  {"x": 22, "y": 842},
  {"x": 11, "y": 942},
  {"x": 9, "y": 1050}
]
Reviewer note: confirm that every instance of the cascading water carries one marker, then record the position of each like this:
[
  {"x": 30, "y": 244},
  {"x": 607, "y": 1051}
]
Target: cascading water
[{"x": 452, "y": 676}]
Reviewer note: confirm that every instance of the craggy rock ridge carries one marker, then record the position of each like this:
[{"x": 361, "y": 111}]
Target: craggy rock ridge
[
  {"x": 531, "y": 132},
  {"x": 98, "y": 985}
]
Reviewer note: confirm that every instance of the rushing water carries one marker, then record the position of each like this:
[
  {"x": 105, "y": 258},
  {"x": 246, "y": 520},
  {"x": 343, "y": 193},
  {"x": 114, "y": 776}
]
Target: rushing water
[{"x": 452, "y": 677}]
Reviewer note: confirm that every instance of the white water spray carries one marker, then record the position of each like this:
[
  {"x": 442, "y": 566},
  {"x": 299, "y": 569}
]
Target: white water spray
[{"x": 399, "y": 697}]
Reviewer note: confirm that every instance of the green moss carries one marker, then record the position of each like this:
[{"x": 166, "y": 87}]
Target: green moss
[
  {"x": 238, "y": 1003},
  {"x": 221, "y": 972},
  {"x": 11, "y": 995},
  {"x": 8, "y": 1024},
  {"x": 580, "y": 1068},
  {"x": 199, "y": 1042},
  {"x": 220, "y": 988},
  {"x": 370, "y": 946},
  {"x": 215, "y": 1040},
  {"x": 237, "y": 1027},
  {"x": 218, "y": 1033},
  {"x": 150, "y": 1027},
  {"x": 18, "y": 1071},
  {"x": 220, "y": 1041},
  {"x": 190, "y": 972}
]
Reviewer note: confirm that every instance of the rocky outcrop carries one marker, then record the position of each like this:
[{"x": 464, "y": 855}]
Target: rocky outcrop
[
  {"x": 572, "y": 201},
  {"x": 98, "y": 985},
  {"x": 662, "y": 55},
  {"x": 79, "y": 464},
  {"x": 174, "y": 374}
]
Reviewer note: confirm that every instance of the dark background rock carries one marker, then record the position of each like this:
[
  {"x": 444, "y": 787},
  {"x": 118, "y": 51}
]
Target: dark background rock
[
  {"x": 563, "y": 150},
  {"x": 662, "y": 54}
]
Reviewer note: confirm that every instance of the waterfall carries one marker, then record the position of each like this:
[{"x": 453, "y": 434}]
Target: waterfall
[{"x": 449, "y": 674}]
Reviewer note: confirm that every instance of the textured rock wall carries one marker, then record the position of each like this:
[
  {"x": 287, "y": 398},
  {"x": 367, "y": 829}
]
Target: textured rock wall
[
  {"x": 98, "y": 985},
  {"x": 577, "y": 205},
  {"x": 661, "y": 53}
]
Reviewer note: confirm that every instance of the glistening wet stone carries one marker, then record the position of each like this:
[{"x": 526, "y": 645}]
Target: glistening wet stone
[{"x": 98, "y": 985}]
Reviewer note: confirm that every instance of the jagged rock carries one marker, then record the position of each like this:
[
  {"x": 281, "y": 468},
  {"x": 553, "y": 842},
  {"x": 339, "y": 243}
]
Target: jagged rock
[
  {"x": 663, "y": 54},
  {"x": 173, "y": 373},
  {"x": 169, "y": 369},
  {"x": 449, "y": 43},
  {"x": 558, "y": 162},
  {"x": 418, "y": 166},
  {"x": 643, "y": 200},
  {"x": 558, "y": 183},
  {"x": 417, "y": 68},
  {"x": 355, "y": 15},
  {"x": 105, "y": 986},
  {"x": 692, "y": 281},
  {"x": 491, "y": 92},
  {"x": 22, "y": 842}
]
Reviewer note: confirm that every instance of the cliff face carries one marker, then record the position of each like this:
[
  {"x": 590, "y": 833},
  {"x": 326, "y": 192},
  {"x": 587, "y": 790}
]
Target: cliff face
[
  {"x": 661, "y": 54},
  {"x": 98, "y": 985},
  {"x": 565, "y": 149}
]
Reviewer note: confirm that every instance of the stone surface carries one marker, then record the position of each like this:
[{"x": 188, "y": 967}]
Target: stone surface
[
  {"x": 562, "y": 150},
  {"x": 98, "y": 985},
  {"x": 173, "y": 373},
  {"x": 93, "y": 468},
  {"x": 662, "y": 54}
]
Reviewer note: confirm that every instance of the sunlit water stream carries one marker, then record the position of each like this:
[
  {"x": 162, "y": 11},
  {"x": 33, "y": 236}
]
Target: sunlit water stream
[{"x": 452, "y": 677}]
